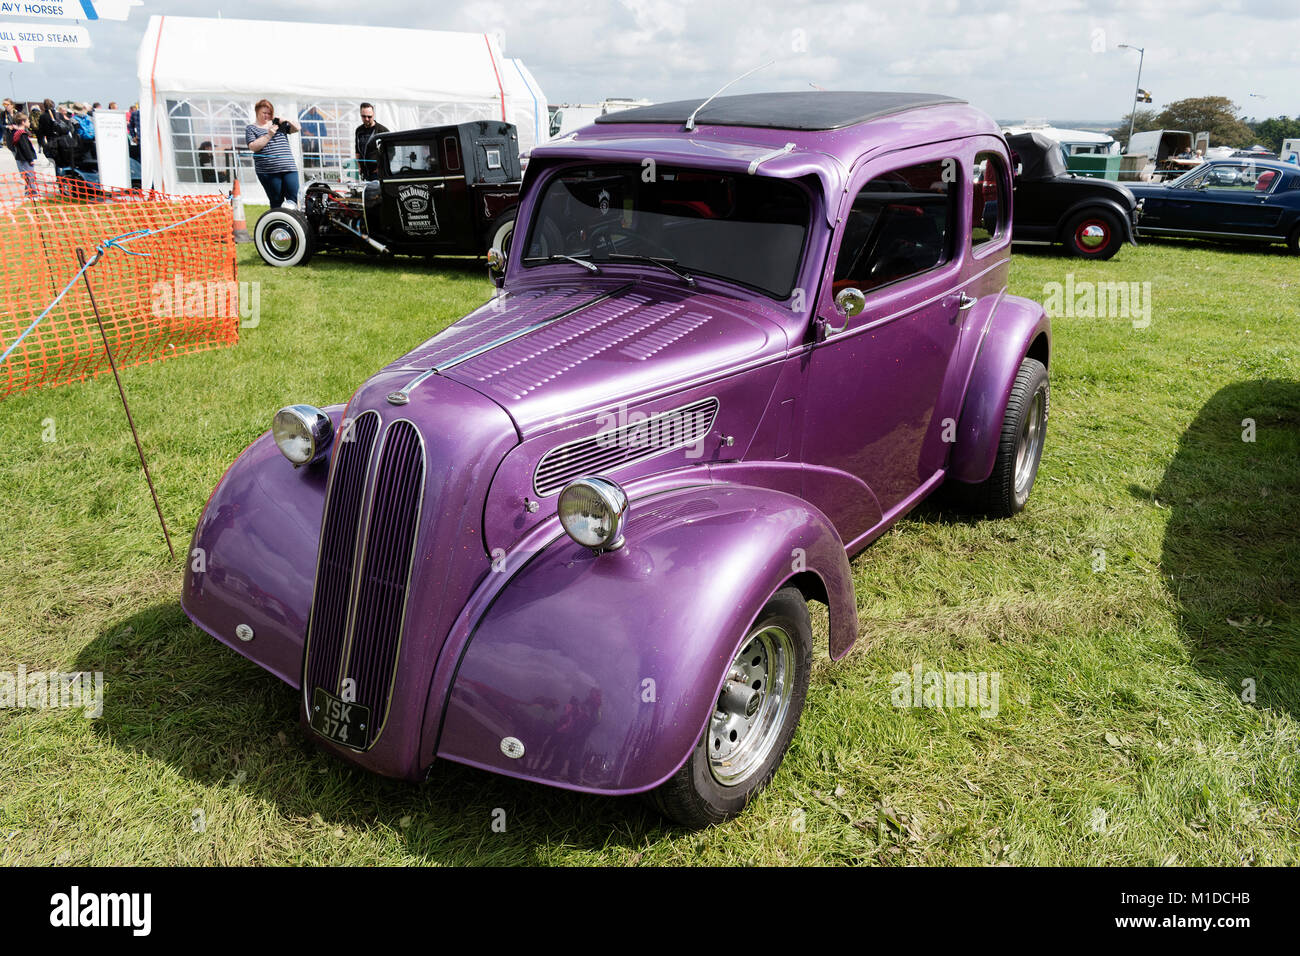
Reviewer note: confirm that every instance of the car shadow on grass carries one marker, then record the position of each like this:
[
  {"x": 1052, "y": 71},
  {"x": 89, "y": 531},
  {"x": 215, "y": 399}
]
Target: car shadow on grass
[
  {"x": 180, "y": 697},
  {"x": 1231, "y": 551}
]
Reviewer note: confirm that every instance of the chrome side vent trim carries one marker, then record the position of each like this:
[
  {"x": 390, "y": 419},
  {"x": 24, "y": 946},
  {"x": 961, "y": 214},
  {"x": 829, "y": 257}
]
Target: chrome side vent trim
[{"x": 614, "y": 448}]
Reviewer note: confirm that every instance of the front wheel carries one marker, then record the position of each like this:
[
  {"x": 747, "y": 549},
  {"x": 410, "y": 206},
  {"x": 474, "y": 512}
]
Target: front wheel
[
  {"x": 284, "y": 237},
  {"x": 1093, "y": 234},
  {"x": 502, "y": 232},
  {"x": 752, "y": 722},
  {"x": 1020, "y": 449}
]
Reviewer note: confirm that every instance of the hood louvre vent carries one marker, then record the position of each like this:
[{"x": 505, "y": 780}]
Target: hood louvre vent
[{"x": 614, "y": 448}]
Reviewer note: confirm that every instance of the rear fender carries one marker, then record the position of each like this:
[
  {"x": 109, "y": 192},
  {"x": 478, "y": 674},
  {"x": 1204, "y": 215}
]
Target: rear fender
[
  {"x": 1019, "y": 327},
  {"x": 1110, "y": 205},
  {"x": 606, "y": 667}
]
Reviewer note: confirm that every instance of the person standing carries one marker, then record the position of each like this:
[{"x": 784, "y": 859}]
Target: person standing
[
  {"x": 273, "y": 160},
  {"x": 367, "y": 150},
  {"x": 7, "y": 122},
  {"x": 25, "y": 154}
]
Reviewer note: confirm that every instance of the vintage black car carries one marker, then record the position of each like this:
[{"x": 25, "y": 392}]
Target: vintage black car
[
  {"x": 1092, "y": 218},
  {"x": 1250, "y": 200},
  {"x": 443, "y": 190}
]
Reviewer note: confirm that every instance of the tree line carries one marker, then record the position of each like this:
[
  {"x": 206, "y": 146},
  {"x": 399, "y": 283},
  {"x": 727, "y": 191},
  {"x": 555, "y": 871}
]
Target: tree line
[{"x": 1218, "y": 116}]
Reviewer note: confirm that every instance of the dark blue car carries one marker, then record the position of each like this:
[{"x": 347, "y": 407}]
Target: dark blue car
[{"x": 1254, "y": 200}]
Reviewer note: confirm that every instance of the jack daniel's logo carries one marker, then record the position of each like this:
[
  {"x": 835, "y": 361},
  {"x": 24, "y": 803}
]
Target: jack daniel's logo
[{"x": 416, "y": 209}]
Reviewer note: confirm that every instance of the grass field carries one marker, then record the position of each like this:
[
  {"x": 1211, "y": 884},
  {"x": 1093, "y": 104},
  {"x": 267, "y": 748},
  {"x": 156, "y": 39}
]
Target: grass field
[{"x": 1156, "y": 569}]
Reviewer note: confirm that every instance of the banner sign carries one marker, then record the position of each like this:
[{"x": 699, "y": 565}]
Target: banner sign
[
  {"x": 69, "y": 10},
  {"x": 111, "y": 148},
  {"x": 31, "y": 34}
]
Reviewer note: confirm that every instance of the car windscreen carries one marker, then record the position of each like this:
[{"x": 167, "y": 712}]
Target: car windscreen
[{"x": 744, "y": 229}]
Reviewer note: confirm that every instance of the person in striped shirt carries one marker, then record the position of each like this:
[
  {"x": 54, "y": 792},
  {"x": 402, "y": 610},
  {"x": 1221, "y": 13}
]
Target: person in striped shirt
[{"x": 273, "y": 160}]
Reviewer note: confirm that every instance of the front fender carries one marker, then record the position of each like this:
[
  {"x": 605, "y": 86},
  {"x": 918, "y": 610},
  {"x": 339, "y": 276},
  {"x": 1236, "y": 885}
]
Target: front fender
[
  {"x": 252, "y": 559},
  {"x": 1018, "y": 326},
  {"x": 606, "y": 667}
]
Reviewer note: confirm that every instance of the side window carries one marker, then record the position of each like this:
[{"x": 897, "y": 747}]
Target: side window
[
  {"x": 988, "y": 199},
  {"x": 900, "y": 225},
  {"x": 452, "y": 145},
  {"x": 410, "y": 159}
]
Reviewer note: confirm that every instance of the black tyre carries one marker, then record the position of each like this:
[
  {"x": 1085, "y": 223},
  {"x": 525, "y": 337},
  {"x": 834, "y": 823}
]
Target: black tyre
[
  {"x": 502, "y": 232},
  {"x": 751, "y": 726},
  {"x": 284, "y": 237},
  {"x": 1293, "y": 243},
  {"x": 1024, "y": 429},
  {"x": 1093, "y": 234}
]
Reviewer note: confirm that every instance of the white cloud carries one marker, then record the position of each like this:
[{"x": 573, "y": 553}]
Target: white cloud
[{"x": 1014, "y": 58}]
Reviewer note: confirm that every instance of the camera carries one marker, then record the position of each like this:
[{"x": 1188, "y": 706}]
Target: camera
[{"x": 283, "y": 126}]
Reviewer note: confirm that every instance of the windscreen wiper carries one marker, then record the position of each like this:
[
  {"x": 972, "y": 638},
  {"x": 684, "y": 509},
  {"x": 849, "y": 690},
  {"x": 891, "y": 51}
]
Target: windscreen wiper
[
  {"x": 663, "y": 263},
  {"x": 589, "y": 266}
]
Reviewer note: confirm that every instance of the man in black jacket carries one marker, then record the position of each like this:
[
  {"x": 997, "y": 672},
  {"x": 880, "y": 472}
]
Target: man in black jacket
[{"x": 366, "y": 149}]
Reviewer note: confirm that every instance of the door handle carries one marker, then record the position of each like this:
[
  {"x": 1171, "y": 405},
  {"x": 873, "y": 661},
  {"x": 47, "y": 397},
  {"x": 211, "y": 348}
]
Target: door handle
[{"x": 964, "y": 302}]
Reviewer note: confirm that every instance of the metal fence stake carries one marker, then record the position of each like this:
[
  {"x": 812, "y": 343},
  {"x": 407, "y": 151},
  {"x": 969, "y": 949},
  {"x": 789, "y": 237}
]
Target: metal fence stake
[{"x": 85, "y": 275}]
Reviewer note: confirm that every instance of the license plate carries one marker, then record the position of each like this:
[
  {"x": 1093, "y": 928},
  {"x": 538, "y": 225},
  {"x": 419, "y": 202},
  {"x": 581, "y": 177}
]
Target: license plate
[{"x": 342, "y": 721}]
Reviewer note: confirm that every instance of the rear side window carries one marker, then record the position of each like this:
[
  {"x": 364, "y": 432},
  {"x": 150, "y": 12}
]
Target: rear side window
[
  {"x": 452, "y": 146},
  {"x": 900, "y": 225},
  {"x": 988, "y": 199}
]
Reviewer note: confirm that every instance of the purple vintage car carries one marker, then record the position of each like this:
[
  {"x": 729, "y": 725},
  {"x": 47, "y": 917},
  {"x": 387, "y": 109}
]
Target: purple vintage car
[{"x": 571, "y": 538}]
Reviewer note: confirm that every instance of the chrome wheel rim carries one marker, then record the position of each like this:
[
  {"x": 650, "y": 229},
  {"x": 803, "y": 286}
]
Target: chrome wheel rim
[
  {"x": 1091, "y": 235},
  {"x": 751, "y": 710},
  {"x": 1030, "y": 445},
  {"x": 280, "y": 239}
]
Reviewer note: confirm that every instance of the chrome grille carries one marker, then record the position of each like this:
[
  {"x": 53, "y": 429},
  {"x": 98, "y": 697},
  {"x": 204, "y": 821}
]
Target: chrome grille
[
  {"x": 385, "y": 572},
  {"x": 338, "y": 545},
  {"x": 363, "y": 572},
  {"x": 615, "y": 448}
]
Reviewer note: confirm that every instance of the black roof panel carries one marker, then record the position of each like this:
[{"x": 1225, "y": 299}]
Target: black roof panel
[{"x": 813, "y": 110}]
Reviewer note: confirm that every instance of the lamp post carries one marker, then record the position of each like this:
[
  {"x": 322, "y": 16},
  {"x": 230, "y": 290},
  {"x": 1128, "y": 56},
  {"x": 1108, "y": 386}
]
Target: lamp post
[{"x": 1142, "y": 53}]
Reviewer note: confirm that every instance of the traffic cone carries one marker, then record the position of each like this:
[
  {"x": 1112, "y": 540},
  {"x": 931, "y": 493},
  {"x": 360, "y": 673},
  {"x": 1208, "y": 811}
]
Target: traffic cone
[{"x": 241, "y": 227}]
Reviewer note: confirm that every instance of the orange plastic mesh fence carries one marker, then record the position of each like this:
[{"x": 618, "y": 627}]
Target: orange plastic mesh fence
[{"x": 181, "y": 296}]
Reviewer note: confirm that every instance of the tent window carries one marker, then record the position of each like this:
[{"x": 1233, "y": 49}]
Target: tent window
[
  {"x": 447, "y": 114},
  {"x": 207, "y": 138},
  {"x": 327, "y": 144}
]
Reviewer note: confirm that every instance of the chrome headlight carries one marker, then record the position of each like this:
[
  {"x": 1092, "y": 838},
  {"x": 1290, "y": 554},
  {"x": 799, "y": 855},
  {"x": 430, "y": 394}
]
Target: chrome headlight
[
  {"x": 591, "y": 512},
  {"x": 302, "y": 432}
]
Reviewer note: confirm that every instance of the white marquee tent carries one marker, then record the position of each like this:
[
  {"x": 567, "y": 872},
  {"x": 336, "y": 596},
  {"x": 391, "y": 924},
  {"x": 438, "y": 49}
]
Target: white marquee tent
[{"x": 199, "y": 79}]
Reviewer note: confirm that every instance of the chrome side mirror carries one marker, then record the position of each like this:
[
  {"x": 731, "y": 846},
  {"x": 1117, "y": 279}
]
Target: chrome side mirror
[
  {"x": 496, "y": 260},
  {"x": 850, "y": 302}
]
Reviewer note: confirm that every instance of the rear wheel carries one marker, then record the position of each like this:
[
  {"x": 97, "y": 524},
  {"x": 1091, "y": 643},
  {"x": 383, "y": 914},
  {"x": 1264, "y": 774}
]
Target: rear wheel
[
  {"x": 753, "y": 720},
  {"x": 284, "y": 237},
  {"x": 1293, "y": 243},
  {"x": 1024, "y": 430},
  {"x": 1094, "y": 234}
]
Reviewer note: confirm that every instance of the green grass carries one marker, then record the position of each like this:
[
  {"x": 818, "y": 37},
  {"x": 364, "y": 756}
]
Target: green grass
[{"x": 1122, "y": 735}]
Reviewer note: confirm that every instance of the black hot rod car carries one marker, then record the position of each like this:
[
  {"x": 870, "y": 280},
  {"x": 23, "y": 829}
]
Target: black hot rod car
[
  {"x": 1092, "y": 218},
  {"x": 442, "y": 190}
]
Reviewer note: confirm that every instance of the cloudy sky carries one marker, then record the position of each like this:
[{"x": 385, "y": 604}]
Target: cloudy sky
[{"x": 1013, "y": 59}]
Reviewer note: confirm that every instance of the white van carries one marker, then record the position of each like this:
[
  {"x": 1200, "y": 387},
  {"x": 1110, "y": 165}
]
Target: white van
[{"x": 1290, "y": 151}]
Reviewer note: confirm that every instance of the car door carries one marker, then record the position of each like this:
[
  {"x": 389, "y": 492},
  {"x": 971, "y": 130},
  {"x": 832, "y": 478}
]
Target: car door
[
  {"x": 1234, "y": 198},
  {"x": 875, "y": 382},
  {"x": 417, "y": 216}
]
